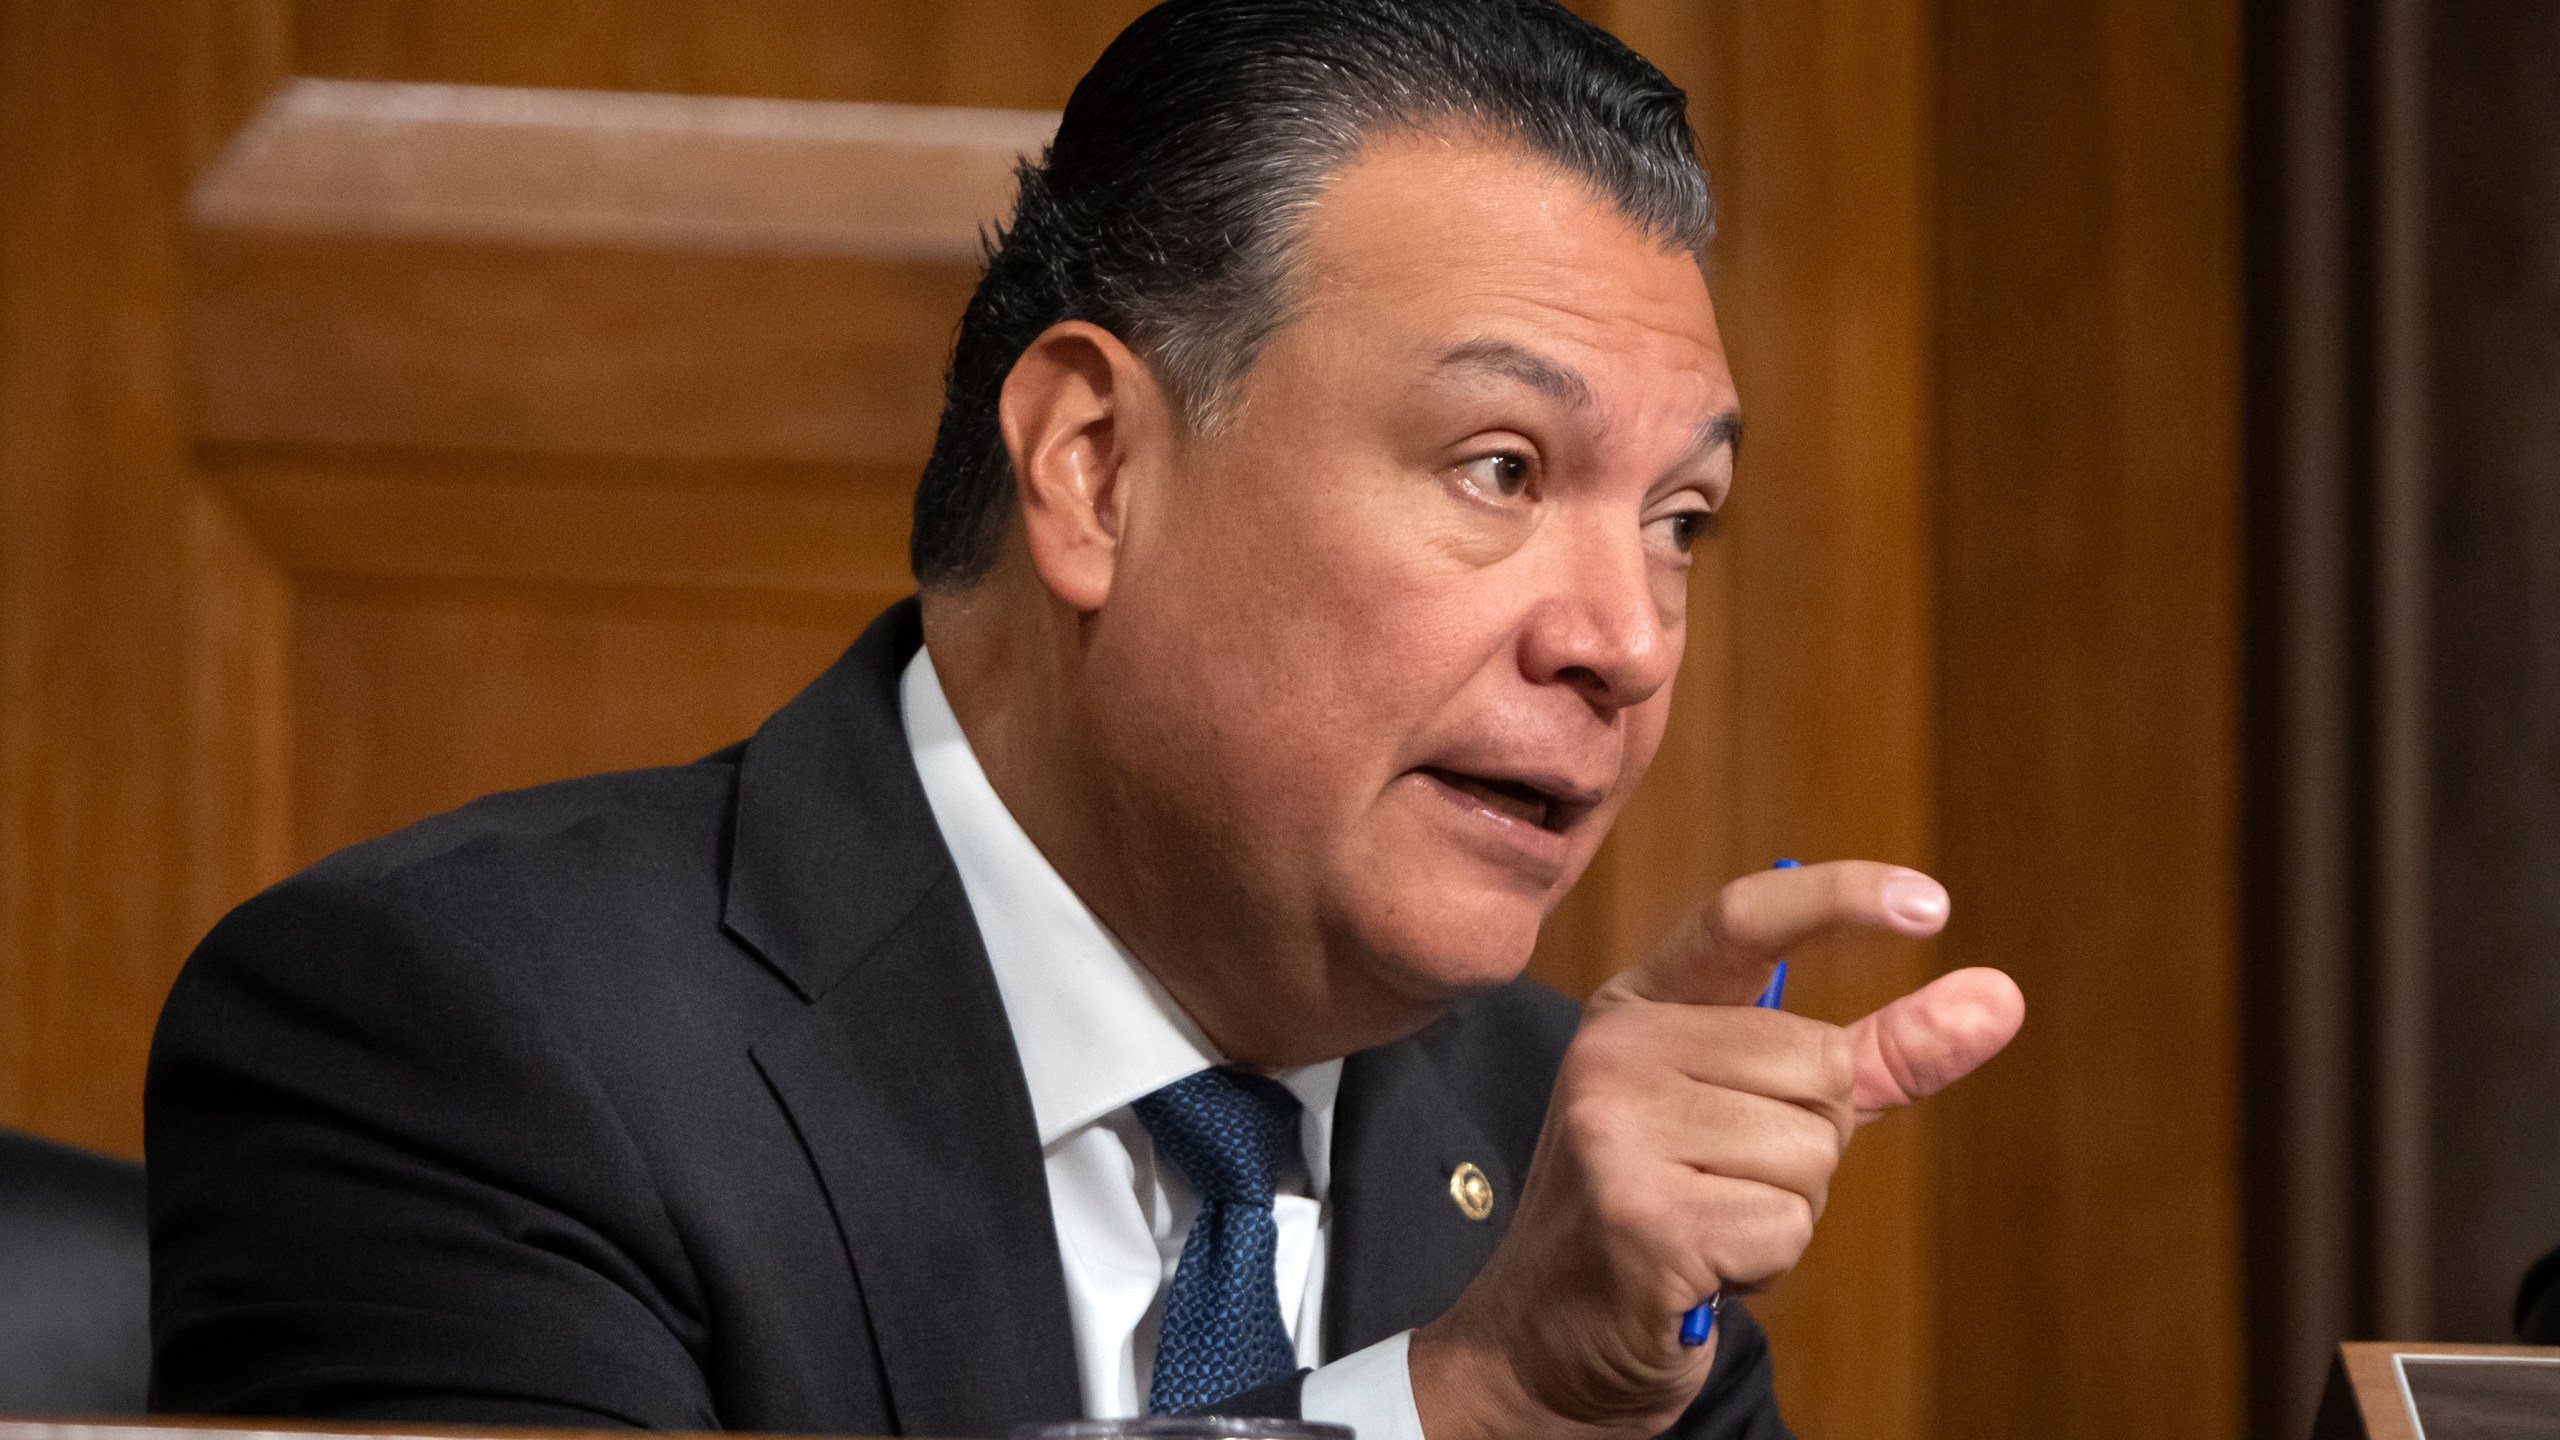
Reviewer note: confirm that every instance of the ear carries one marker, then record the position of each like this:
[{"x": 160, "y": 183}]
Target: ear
[{"x": 1074, "y": 410}]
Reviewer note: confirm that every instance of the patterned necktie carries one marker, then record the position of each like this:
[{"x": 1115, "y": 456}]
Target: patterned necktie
[{"x": 1226, "y": 1132}]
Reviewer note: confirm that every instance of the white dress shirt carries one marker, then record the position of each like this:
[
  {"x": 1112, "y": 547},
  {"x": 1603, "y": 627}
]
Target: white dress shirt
[{"x": 1096, "y": 1032}]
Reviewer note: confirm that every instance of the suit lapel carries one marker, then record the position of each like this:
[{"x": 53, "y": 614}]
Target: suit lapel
[
  {"x": 1402, "y": 1248},
  {"x": 900, "y": 1076},
  {"x": 905, "y": 1087}
]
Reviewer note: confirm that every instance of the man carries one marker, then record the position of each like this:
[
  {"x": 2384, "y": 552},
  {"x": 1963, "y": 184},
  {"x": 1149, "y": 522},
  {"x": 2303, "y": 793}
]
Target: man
[{"x": 1099, "y": 992}]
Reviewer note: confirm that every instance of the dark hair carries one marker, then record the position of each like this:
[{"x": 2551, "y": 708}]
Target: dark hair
[{"x": 1164, "y": 208}]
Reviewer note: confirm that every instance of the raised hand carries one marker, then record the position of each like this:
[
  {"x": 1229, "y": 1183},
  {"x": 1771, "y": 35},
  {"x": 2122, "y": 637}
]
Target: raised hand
[{"x": 1689, "y": 1147}]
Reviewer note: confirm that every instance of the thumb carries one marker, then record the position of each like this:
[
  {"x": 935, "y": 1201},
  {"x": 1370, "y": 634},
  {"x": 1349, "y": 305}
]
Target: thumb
[{"x": 1933, "y": 1037}]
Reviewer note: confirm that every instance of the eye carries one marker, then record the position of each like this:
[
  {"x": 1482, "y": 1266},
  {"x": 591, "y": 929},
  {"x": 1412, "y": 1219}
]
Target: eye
[
  {"x": 1500, "y": 476},
  {"x": 1685, "y": 528}
]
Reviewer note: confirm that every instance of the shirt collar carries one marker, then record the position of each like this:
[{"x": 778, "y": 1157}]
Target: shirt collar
[{"x": 1094, "y": 1029}]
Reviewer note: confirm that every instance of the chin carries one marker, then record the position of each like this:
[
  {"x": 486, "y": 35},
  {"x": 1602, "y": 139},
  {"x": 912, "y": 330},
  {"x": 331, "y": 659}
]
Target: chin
[{"x": 1440, "y": 944}]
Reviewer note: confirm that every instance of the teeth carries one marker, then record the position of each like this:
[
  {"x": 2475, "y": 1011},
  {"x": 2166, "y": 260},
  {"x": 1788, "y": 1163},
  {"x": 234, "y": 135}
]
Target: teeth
[{"x": 1504, "y": 797}]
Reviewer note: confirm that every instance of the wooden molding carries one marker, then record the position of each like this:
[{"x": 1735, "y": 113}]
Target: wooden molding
[
  {"x": 596, "y": 168},
  {"x": 590, "y": 273},
  {"x": 471, "y": 517}
]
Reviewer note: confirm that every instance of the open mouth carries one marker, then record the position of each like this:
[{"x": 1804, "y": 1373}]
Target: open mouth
[{"x": 1512, "y": 798}]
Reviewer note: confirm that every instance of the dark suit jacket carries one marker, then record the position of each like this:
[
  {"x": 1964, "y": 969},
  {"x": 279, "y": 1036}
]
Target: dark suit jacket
[{"x": 685, "y": 1099}]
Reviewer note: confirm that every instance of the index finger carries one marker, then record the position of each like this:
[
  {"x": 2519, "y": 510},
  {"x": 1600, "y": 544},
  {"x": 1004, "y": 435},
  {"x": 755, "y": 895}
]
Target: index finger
[{"x": 1723, "y": 953}]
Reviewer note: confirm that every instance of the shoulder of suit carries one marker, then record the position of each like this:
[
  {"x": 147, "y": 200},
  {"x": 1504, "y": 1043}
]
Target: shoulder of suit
[
  {"x": 619, "y": 820},
  {"x": 524, "y": 873}
]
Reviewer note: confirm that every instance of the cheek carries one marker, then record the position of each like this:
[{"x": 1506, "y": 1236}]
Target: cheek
[
  {"x": 1288, "y": 623},
  {"x": 1307, "y": 602},
  {"x": 1645, "y": 724},
  {"x": 1318, "y": 679}
]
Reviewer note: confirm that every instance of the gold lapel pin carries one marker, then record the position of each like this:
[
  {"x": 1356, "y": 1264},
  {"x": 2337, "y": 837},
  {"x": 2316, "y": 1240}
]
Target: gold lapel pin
[{"x": 1471, "y": 1190}]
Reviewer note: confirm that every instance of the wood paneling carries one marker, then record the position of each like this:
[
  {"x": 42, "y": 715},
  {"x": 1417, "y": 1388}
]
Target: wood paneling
[
  {"x": 949, "y": 52},
  {"x": 781, "y": 529},
  {"x": 417, "y": 697},
  {"x": 133, "y": 723},
  {"x": 579, "y": 436},
  {"x": 577, "y": 169},
  {"x": 1815, "y": 723},
  {"x": 321, "y": 339},
  {"x": 548, "y": 271},
  {"x": 1977, "y": 611},
  {"x": 2087, "y": 375},
  {"x": 583, "y": 425}
]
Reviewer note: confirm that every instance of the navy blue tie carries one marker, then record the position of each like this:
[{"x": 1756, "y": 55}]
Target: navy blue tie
[{"x": 1226, "y": 1132}]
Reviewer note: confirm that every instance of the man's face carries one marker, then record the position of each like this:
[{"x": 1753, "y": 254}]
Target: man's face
[{"x": 1385, "y": 652}]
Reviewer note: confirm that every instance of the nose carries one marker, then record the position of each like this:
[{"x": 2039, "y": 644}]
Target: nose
[{"x": 1600, "y": 627}]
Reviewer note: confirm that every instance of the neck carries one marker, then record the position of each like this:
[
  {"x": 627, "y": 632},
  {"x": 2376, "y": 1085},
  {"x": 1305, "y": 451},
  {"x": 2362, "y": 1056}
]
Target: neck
[{"x": 1264, "y": 993}]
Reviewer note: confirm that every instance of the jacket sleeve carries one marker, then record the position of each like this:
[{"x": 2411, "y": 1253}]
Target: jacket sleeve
[
  {"x": 384, "y": 1186},
  {"x": 1740, "y": 1399}
]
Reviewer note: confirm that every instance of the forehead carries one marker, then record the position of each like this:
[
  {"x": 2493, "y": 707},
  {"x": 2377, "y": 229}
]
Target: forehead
[{"x": 1434, "y": 240}]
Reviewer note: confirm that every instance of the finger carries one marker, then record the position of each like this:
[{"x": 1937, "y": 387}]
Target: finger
[
  {"x": 1650, "y": 1049},
  {"x": 1725, "y": 953},
  {"x": 1751, "y": 1137},
  {"x": 1933, "y": 1037},
  {"x": 1743, "y": 1235}
]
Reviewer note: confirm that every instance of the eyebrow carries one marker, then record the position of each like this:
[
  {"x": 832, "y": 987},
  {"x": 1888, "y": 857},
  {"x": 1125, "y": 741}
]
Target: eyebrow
[
  {"x": 1722, "y": 428},
  {"x": 1564, "y": 384},
  {"x": 1501, "y": 357}
]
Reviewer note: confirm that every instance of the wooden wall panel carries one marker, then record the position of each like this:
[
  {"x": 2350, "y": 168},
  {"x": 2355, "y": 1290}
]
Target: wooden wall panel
[
  {"x": 584, "y": 426},
  {"x": 1978, "y": 273},
  {"x": 1814, "y": 125},
  {"x": 782, "y": 530},
  {"x": 421, "y": 344},
  {"x": 549, "y": 272},
  {"x": 656, "y": 438},
  {"x": 700, "y": 174},
  {"x": 2088, "y": 383},
  {"x": 238, "y": 695},
  {"x": 415, "y": 697},
  {"x": 129, "y": 628},
  {"x": 949, "y": 52}
]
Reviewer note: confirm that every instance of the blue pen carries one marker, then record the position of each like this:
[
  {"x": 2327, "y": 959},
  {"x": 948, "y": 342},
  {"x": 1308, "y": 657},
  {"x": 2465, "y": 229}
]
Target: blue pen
[{"x": 1699, "y": 1325}]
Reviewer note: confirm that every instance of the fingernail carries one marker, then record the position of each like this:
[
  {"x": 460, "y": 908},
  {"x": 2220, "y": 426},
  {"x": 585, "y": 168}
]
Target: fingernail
[{"x": 1914, "y": 898}]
